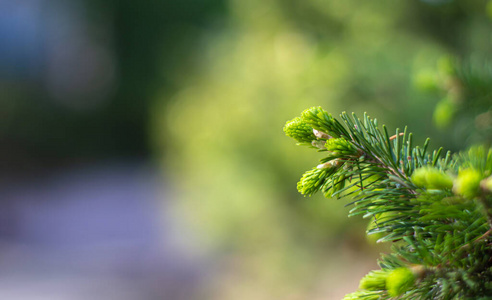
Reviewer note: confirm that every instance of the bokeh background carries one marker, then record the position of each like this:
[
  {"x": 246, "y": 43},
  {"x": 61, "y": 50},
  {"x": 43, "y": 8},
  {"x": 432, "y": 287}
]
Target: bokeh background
[{"x": 141, "y": 143}]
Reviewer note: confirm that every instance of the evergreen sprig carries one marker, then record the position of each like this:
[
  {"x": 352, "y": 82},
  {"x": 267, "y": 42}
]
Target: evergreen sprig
[{"x": 436, "y": 212}]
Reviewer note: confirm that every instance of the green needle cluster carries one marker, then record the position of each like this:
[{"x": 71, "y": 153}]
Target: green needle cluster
[
  {"x": 299, "y": 131},
  {"x": 435, "y": 211},
  {"x": 341, "y": 146}
]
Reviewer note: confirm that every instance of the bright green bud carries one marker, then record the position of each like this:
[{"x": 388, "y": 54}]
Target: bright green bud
[
  {"x": 299, "y": 131},
  {"x": 313, "y": 180},
  {"x": 467, "y": 183},
  {"x": 399, "y": 281},
  {"x": 341, "y": 146},
  {"x": 363, "y": 295},
  {"x": 374, "y": 281},
  {"x": 427, "y": 80},
  {"x": 444, "y": 113},
  {"x": 446, "y": 65},
  {"x": 320, "y": 120},
  {"x": 432, "y": 178}
]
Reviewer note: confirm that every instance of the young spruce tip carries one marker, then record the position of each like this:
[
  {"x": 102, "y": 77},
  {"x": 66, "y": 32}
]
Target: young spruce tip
[{"x": 435, "y": 211}]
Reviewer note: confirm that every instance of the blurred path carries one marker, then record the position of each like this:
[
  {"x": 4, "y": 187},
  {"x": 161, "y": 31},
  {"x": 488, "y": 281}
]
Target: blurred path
[{"x": 99, "y": 232}]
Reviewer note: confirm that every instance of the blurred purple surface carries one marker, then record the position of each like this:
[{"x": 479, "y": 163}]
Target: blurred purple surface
[{"x": 101, "y": 232}]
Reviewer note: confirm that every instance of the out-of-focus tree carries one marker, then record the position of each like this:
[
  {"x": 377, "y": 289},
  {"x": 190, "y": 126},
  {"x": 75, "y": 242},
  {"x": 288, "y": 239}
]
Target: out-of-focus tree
[
  {"x": 77, "y": 77},
  {"x": 464, "y": 112}
]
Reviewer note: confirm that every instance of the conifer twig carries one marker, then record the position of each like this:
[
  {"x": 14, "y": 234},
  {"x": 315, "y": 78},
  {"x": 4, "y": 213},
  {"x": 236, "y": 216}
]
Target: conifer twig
[{"x": 423, "y": 202}]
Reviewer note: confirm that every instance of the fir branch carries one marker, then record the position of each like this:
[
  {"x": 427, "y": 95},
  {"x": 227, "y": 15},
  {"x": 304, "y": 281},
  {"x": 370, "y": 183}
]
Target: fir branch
[{"x": 438, "y": 210}]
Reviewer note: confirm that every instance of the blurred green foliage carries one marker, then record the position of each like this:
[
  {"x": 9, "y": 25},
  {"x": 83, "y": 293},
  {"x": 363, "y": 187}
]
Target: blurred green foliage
[
  {"x": 465, "y": 109},
  {"x": 142, "y": 38}
]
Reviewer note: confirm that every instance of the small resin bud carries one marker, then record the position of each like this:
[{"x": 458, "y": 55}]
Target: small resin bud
[
  {"x": 432, "y": 178},
  {"x": 467, "y": 183},
  {"x": 400, "y": 281},
  {"x": 321, "y": 135},
  {"x": 299, "y": 131},
  {"x": 318, "y": 144},
  {"x": 486, "y": 184},
  {"x": 374, "y": 281},
  {"x": 330, "y": 164},
  {"x": 325, "y": 165}
]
